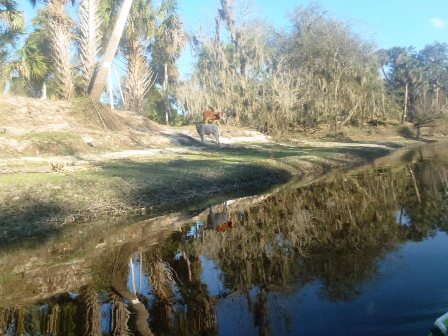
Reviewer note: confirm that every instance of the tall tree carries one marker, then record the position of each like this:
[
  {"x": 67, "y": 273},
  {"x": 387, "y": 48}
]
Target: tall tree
[
  {"x": 434, "y": 60},
  {"x": 11, "y": 25},
  {"x": 170, "y": 41},
  {"x": 100, "y": 78},
  {"x": 404, "y": 73},
  {"x": 340, "y": 65},
  {"x": 32, "y": 64},
  {"x": 138, "y": 33},
  {"x": 61, "y": 40}
]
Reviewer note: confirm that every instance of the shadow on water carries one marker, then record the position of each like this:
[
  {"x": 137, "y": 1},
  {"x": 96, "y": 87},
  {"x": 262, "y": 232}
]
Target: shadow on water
[{"x": 252, "y": 257}]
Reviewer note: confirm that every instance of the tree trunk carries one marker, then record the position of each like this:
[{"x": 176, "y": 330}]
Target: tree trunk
[
  {"x": 437, "y": 95},
  {"x": 99, "y": 82},
  {"x": 405, "y": 110},
  {"x": 44, "y": 92},
  {"x": 111, "y": 91},
  {"x": 350, "y": 115},
  {"x": 165, "y": 93}
]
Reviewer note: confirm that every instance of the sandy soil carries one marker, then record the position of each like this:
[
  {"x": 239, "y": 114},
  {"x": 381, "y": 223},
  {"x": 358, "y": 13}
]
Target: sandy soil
[{"x": 36, "y": 134}]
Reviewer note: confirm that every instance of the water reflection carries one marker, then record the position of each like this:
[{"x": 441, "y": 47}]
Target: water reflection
[{"x": 310, "y": 259}]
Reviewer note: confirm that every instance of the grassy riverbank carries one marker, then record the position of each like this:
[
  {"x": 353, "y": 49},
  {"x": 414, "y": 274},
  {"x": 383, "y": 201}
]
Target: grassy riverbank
[
  {"x": 37, "y": 203},
  {"x": 56, "y": 180}
]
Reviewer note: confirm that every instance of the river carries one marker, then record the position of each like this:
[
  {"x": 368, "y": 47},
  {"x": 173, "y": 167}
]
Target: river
[{"x": 360, "y": 252}]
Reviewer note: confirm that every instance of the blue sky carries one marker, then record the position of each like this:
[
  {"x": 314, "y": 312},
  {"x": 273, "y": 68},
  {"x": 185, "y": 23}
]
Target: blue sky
[{"x": 387, "y": 22}]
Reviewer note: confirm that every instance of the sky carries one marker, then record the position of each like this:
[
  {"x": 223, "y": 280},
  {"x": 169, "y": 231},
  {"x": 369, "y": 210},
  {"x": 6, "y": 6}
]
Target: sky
[{"x": 388, "y": 23}]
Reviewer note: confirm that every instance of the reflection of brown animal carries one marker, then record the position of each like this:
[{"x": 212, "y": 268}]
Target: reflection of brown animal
[
  {"x": 219, "y": 220},
  {"x": 224, "y": 227},
  {"x": 211, "y": 115}
]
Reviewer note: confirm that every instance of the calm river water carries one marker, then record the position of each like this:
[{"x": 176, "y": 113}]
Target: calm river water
[{"x": 363, "y": 252}]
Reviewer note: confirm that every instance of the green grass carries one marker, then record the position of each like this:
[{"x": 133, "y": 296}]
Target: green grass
[
  {"x": 51, "y": 136},
  {"x": 8, "y": 278},
  {"x": 37, "y": 204}
]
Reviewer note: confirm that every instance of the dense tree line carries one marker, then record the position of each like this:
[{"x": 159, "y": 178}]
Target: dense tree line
[{"x": 317, "y": 71}]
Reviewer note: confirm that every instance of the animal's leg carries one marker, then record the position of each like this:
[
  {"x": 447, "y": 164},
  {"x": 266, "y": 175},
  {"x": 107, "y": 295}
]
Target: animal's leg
[{"x": 217, "y": 138}]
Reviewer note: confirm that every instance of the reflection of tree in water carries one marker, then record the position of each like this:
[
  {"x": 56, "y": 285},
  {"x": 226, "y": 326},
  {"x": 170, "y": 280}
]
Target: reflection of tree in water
[
  {"x": 90, "y": 311},
  {"x": 67, "y": 315},
  {"x": 424, "y": 198},
  {"x": 194, "y": 313},
  {"x": 55, "y": 317},
  {"x": 162, "y": 283},
  {"x": 120, "y": 316},
  {"x": 333, "y": 232}
]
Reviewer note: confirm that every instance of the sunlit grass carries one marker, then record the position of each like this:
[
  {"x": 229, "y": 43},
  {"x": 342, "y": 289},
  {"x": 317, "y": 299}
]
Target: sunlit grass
[{"x": 40, "y": 202}]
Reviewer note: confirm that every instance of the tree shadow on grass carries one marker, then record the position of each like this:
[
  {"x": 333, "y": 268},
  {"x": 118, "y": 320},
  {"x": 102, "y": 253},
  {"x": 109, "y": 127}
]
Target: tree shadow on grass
[
  {"x": 182, "y": 185},
  {"x": 181, "y": 139},
  {"x": 33, "y": 223},
  {"x": 366, "y": 153},
  {"x": 274, "y": 151}
]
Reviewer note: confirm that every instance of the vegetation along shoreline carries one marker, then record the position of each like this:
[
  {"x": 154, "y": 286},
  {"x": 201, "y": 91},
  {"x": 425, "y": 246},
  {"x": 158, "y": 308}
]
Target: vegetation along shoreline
[{"x": 80, "y": 179}]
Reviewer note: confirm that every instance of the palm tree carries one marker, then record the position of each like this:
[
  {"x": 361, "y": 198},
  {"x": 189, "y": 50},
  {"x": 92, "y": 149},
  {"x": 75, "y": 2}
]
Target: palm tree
[
  {"x": 11, "y": 22},
  {"x": 61, "y": 39},
  {"x": 139, "y": 78},
  {"x": 32, "y": 63},
  {"x": 100, "y": 78},
  {"x": 89, "y": 40},
  {"x": 11, "y": 25},
  {"x": 170, "y": 43}
]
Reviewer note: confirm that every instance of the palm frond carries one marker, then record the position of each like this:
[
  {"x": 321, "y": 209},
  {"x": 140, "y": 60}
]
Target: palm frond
[
  {"x": 13, "y": 20},
  {"x": 139, "y": 79},
  {"x": 61, "y": 39}
]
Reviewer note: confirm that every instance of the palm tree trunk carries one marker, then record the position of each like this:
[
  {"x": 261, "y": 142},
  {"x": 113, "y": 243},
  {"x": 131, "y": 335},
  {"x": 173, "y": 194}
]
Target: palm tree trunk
[
  {"x": 99, "y": 82},
  {"x": 89, "y": 40}
]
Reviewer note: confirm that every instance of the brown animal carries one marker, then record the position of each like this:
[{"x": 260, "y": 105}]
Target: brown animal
[{"x": 211, "y": 115}]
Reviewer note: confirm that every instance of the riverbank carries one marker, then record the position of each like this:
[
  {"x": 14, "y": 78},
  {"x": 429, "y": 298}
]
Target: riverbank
[{"x": 58, "y": 169}]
